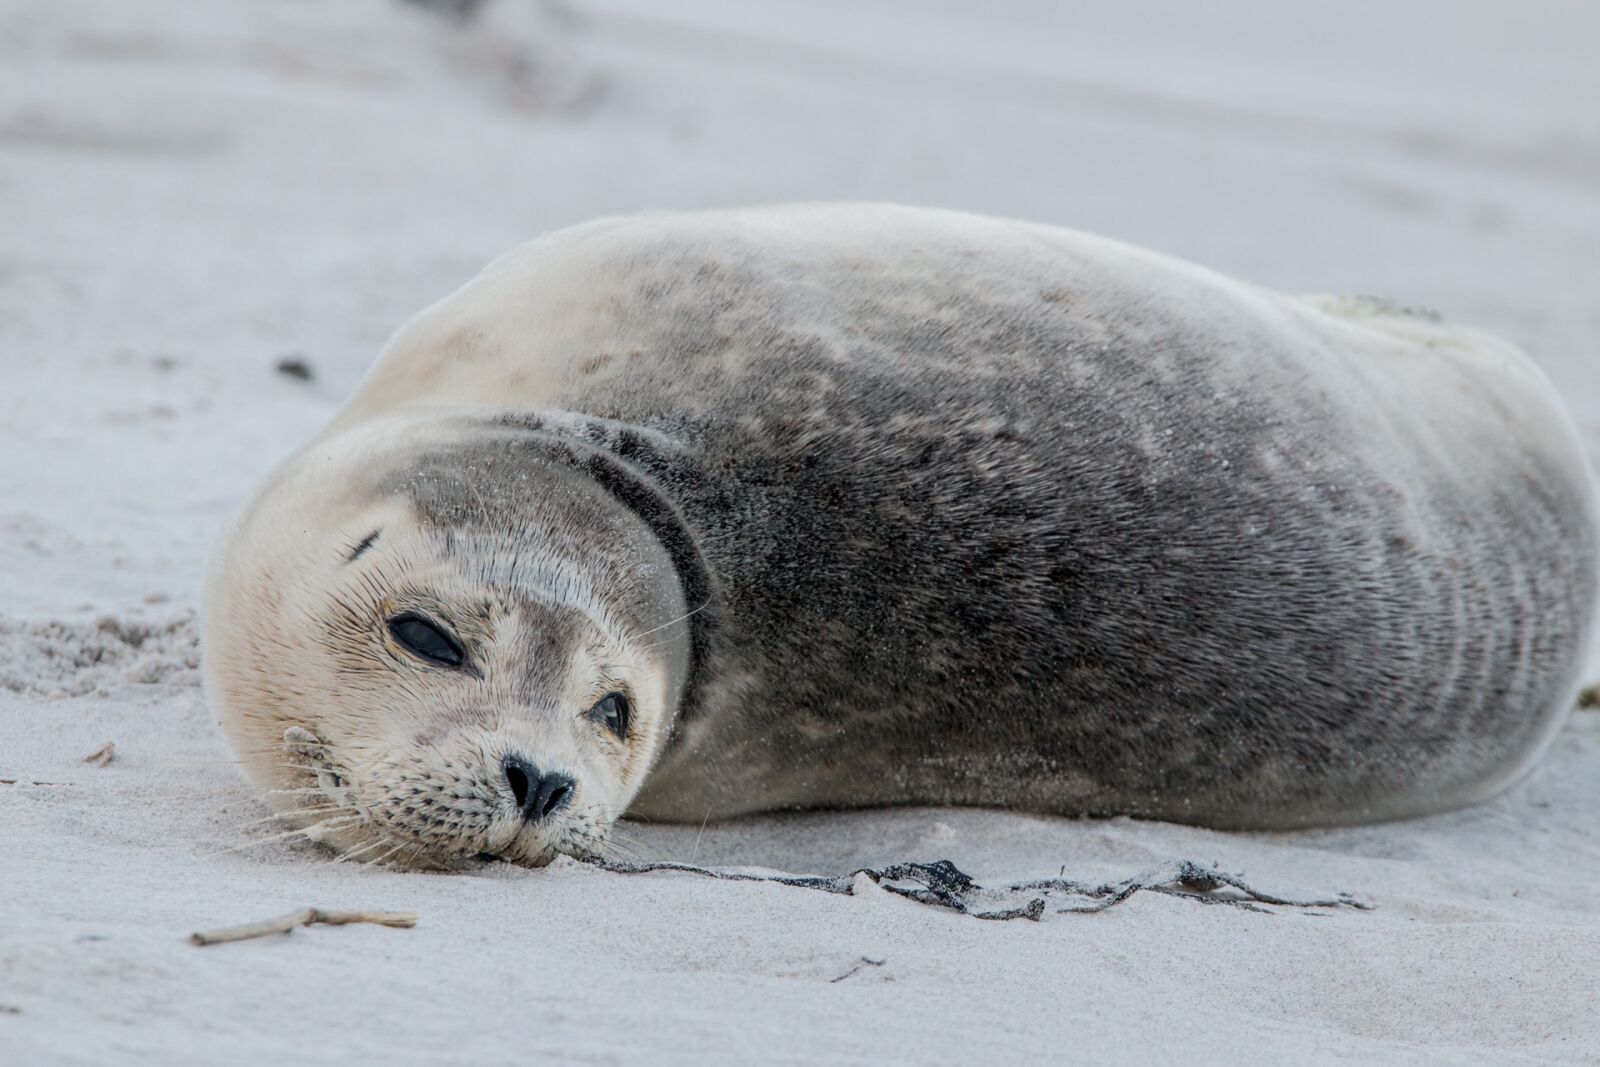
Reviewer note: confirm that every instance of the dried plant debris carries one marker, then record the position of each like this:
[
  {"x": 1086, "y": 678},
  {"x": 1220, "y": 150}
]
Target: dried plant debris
[
  {"x": 942, "y": 884},
  {"x": 102, "y": 756},
  {"x": 304, "y": 917},
  {"x": 864, "y": 961}
]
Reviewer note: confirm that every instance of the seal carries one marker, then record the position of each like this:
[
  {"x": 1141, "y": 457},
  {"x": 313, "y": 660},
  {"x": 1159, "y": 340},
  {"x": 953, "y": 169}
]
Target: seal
[{"x": 696, "y": 515}]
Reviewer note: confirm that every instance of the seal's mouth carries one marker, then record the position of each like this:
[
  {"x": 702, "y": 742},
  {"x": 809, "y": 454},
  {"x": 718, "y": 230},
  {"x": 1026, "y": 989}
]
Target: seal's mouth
[{"x": 431, "y": 821}]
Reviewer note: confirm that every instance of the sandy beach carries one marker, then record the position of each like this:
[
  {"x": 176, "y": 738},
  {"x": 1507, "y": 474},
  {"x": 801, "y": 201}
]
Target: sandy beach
[{"x": 193, "y": 194}]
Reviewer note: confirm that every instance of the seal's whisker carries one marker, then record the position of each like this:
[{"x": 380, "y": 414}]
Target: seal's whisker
[
  {"x": 349, "y": 855},
  {"x": 300, "y": 831},
  {"x": 306, "y": 768},
  {"x": 671, "y": 622},
  {"x": 628, "y": 842},
  {"x": 297, "y": 813},
  {"x": 417, "y": 851},
  {"x": 610, "y": 848},
  {"x": 279, "y": 747},
  {"x": 384, "y": 858}
]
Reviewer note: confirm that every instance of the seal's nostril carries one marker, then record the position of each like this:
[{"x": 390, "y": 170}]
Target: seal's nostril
[
  {"x": 518, "y": 778},
  {"x": 548, "y": 796},
  {"x": 557, "y": 797},
  {"x": 537, "y": 795}
]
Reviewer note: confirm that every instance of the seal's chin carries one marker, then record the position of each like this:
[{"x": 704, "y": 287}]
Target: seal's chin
[{"x": 520, "y": 844}]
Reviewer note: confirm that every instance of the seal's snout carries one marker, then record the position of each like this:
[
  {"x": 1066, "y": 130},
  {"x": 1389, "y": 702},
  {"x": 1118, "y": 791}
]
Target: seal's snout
[{"x": 538, "y": 795}]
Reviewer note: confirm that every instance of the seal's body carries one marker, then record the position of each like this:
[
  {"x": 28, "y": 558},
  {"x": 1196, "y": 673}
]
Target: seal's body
[{"x": 930, "y": 508}]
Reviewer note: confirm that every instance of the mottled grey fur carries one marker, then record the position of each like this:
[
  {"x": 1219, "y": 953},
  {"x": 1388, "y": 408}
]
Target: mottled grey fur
[{"x": 1072, "y": 548}]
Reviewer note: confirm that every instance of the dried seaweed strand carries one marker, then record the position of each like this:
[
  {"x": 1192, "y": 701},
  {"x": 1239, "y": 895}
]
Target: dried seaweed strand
[{"x": 942, "y": 884}]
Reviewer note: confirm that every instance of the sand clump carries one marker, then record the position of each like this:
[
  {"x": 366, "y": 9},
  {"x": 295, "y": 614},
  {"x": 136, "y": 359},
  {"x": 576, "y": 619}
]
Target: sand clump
[{"x": 55, "y": 658}]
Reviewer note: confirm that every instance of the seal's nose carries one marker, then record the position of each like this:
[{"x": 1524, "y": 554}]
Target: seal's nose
[{"x": 538, "y": 795}]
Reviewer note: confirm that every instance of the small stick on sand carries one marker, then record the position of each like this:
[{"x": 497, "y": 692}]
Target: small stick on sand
[
  {"x": 102, "y": 755},
  {"x": 304, "y": 917}
]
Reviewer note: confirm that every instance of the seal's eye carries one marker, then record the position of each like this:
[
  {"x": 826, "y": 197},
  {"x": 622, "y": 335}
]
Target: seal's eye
[
  {"x": 611, "y": 711},
  {"x": 425, "y": 640}
]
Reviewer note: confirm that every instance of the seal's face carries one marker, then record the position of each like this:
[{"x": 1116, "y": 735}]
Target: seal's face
[
  {"x": 440, "y": 686},
  {"x": 471, "y": 717}
]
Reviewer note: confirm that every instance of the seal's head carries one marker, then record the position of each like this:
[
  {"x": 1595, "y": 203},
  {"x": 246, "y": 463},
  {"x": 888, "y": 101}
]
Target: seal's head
[{"x": 435, "y": 641}]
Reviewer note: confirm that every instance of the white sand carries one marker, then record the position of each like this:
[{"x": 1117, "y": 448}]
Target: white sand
[{"x": 190, "y": 190}]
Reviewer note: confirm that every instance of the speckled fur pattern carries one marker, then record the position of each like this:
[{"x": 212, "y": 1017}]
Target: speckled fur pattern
[{"x": 965, "y": 511}]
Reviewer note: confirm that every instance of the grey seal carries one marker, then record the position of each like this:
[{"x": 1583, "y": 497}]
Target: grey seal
[{"x": 834, "y": 506}]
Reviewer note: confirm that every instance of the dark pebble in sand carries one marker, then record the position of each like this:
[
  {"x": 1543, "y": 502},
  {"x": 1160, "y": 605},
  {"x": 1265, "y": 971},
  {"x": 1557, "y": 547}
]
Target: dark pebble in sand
[{"x": 294, "y": 366}]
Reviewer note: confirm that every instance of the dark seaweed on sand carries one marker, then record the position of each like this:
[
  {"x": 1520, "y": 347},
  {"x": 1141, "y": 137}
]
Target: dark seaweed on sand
[{"x": 942, "y": 884}]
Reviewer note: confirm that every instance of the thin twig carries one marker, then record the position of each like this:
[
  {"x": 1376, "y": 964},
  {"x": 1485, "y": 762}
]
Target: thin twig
[
  {"x": 25, "y": 781},
  {"x": 304, "y": 917}
]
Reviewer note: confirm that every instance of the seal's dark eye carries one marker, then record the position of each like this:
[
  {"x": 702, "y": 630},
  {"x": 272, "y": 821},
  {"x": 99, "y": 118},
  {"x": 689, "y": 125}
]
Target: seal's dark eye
[
  {"x": 611, "y": 711},
  {"x": 425, "y": 640}
]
